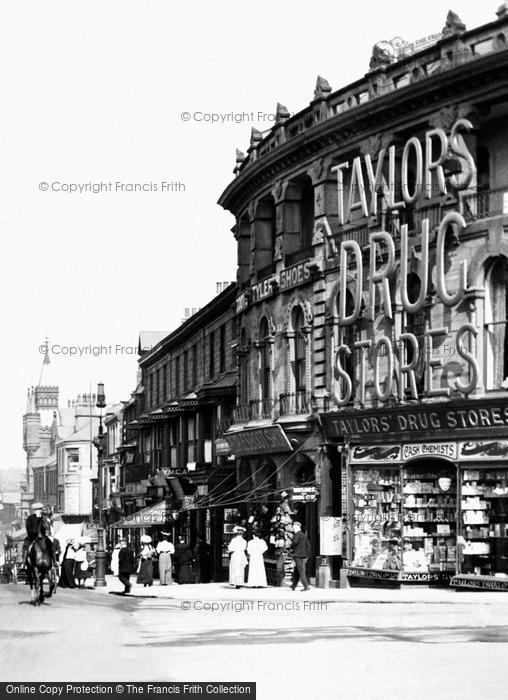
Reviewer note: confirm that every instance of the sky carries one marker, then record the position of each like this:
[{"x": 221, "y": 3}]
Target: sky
[{"x": 105, "y": 95}]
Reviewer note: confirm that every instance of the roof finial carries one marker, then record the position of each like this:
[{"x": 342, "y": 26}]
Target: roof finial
[
  {"x": 502, "y": 10},
  {"x": 240, "y": 157},
  {"x": 282, "y": 113},
  {"x": 454, "y": 25},
  {"x": 322, "y": 89}
]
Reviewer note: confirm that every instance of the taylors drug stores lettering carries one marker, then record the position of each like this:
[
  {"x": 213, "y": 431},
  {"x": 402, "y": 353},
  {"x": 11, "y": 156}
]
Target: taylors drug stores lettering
[
  {"x": 395, "y": 363},
  {"x": 356, "y": 191}
]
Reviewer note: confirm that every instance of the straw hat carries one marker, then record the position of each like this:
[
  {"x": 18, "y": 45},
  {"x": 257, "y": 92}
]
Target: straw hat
[
  {"x": 238, "y": 529},
  {"x": 145, "y": 539}
]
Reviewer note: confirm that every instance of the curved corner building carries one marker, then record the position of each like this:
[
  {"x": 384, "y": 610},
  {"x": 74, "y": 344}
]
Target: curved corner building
[{"x": 372, "y": 232}]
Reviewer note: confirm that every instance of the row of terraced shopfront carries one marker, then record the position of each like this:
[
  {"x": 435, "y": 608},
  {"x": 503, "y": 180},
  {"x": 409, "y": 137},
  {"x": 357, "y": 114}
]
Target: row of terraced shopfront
[{"x": 355, "y": 376}]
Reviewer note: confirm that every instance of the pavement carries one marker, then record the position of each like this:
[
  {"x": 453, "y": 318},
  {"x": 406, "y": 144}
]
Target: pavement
[
  {"x": 290, "y": 649},
  {"x": 223, "y": 591}
]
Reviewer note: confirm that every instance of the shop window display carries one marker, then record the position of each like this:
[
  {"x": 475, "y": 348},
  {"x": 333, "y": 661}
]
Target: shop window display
[
  {"x": 429, "y": 509},
  {"x": 376, "y": 500},
  {"x": 483, "y": 546}
]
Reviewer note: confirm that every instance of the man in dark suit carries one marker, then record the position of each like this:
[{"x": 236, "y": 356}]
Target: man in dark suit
[
  {"x": 125, "y": 564},
  {"x": 300, "y": 549}
]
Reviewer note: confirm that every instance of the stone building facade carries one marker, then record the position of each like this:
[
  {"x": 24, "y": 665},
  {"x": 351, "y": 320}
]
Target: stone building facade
[
  {"x": 173, "y": 465},
  {"x": 372, "y": 317}
]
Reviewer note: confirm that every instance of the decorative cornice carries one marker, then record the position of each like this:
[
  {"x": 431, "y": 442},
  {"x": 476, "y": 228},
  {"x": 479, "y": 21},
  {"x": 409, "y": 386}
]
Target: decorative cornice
[{"x": 466, "y": 82}]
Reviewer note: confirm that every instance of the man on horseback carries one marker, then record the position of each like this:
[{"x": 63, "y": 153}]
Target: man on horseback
[{"x": 37, "y": 526}]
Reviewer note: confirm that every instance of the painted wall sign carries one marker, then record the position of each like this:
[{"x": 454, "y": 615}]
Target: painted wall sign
[
  {"x": 294, "y": 276},
  {"x": 253, "y": 441},
  {"x": 484, "y": 416},
  {"x": 482, "y": 449},
  {"x": 288, "y": 278},
  {"x": 263, "y": 289},
  {"x": 375, "y": 453},
  {"x": 372, "y": 573},
  {"x": 489, "y": 584},
  {"x": 424, "y": 576},
  {"x": 433, "y": 449}
]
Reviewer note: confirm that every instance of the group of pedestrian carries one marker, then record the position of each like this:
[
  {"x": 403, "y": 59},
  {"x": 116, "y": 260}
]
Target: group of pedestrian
[
  {"x": 77, "y": 563},
  {"x": 189, "y": 565},
  {"x": 250, "y": 553}
]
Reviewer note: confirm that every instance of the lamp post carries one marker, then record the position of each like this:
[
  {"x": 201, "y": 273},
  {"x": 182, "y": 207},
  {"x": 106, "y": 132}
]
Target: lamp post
[{"x": 100, "y": 554}]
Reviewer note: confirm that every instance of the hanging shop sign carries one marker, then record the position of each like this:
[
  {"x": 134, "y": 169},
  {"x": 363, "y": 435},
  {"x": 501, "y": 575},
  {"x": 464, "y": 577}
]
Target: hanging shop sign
[
  {"x": 304, "y": 493},
  {"x": 174, "y": 471},
  {"x": 486, "y": 417},
  {"x": 254, "y": 441}
]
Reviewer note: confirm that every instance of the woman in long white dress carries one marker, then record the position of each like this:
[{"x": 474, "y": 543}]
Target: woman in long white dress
[
  {"x": 114, "y": 560},
  {"x": 257, "y": 573},
  {"x": 238, "y": 560}
]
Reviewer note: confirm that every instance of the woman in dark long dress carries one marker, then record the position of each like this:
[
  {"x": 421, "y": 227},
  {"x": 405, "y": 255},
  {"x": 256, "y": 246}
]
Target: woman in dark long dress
[
  {"x": 183, "y": 560},
  {"x": 203, "y": 561},
  {"x": 145, "y": 575},
  {"x": 68, "y": 564}
]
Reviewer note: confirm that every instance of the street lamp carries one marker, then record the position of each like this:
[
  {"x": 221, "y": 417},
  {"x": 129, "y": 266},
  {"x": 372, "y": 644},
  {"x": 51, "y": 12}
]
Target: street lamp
[{"x": 100, "y": 554}]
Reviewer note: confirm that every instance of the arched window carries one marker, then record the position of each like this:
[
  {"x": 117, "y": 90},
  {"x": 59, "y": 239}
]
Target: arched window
[
  {"x": 265, "y": 361},
  {"x": 306, "y": 214},
  {"x": 299, "y": 365},
  {"x": 496, "y": 323},
  {"x": 265, "y": 232}
]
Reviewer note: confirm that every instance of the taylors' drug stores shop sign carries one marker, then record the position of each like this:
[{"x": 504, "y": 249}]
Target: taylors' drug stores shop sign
[{"x": 486, "y": 417}]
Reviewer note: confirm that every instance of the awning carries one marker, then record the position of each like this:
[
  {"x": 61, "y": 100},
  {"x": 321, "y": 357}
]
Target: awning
[{"x": 158, "y": 514}]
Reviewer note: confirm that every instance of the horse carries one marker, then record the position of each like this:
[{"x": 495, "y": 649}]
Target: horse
[{"x": 40, "y": 566}]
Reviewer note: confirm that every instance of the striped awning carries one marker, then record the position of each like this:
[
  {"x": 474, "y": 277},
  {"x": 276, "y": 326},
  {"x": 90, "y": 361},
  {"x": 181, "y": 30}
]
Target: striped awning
[{"x": 158, "y": 514}]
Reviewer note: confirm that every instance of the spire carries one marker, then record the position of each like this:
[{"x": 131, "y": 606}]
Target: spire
[
  {"x": 45, "y": 364},
  {"x": 46, "y": 393}
]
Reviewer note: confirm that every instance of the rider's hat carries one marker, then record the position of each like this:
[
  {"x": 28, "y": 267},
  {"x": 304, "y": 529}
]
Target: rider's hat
[{"x": 37, "y": 506}]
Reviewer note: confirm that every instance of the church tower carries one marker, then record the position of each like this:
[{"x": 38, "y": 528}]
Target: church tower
[{"x": 41, "y": 409}]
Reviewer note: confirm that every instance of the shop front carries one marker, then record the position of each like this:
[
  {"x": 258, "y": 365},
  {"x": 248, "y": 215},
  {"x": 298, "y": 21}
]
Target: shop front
[
  {"x": 427, "y": 504},
  {"x": 276, "y": 485}
]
